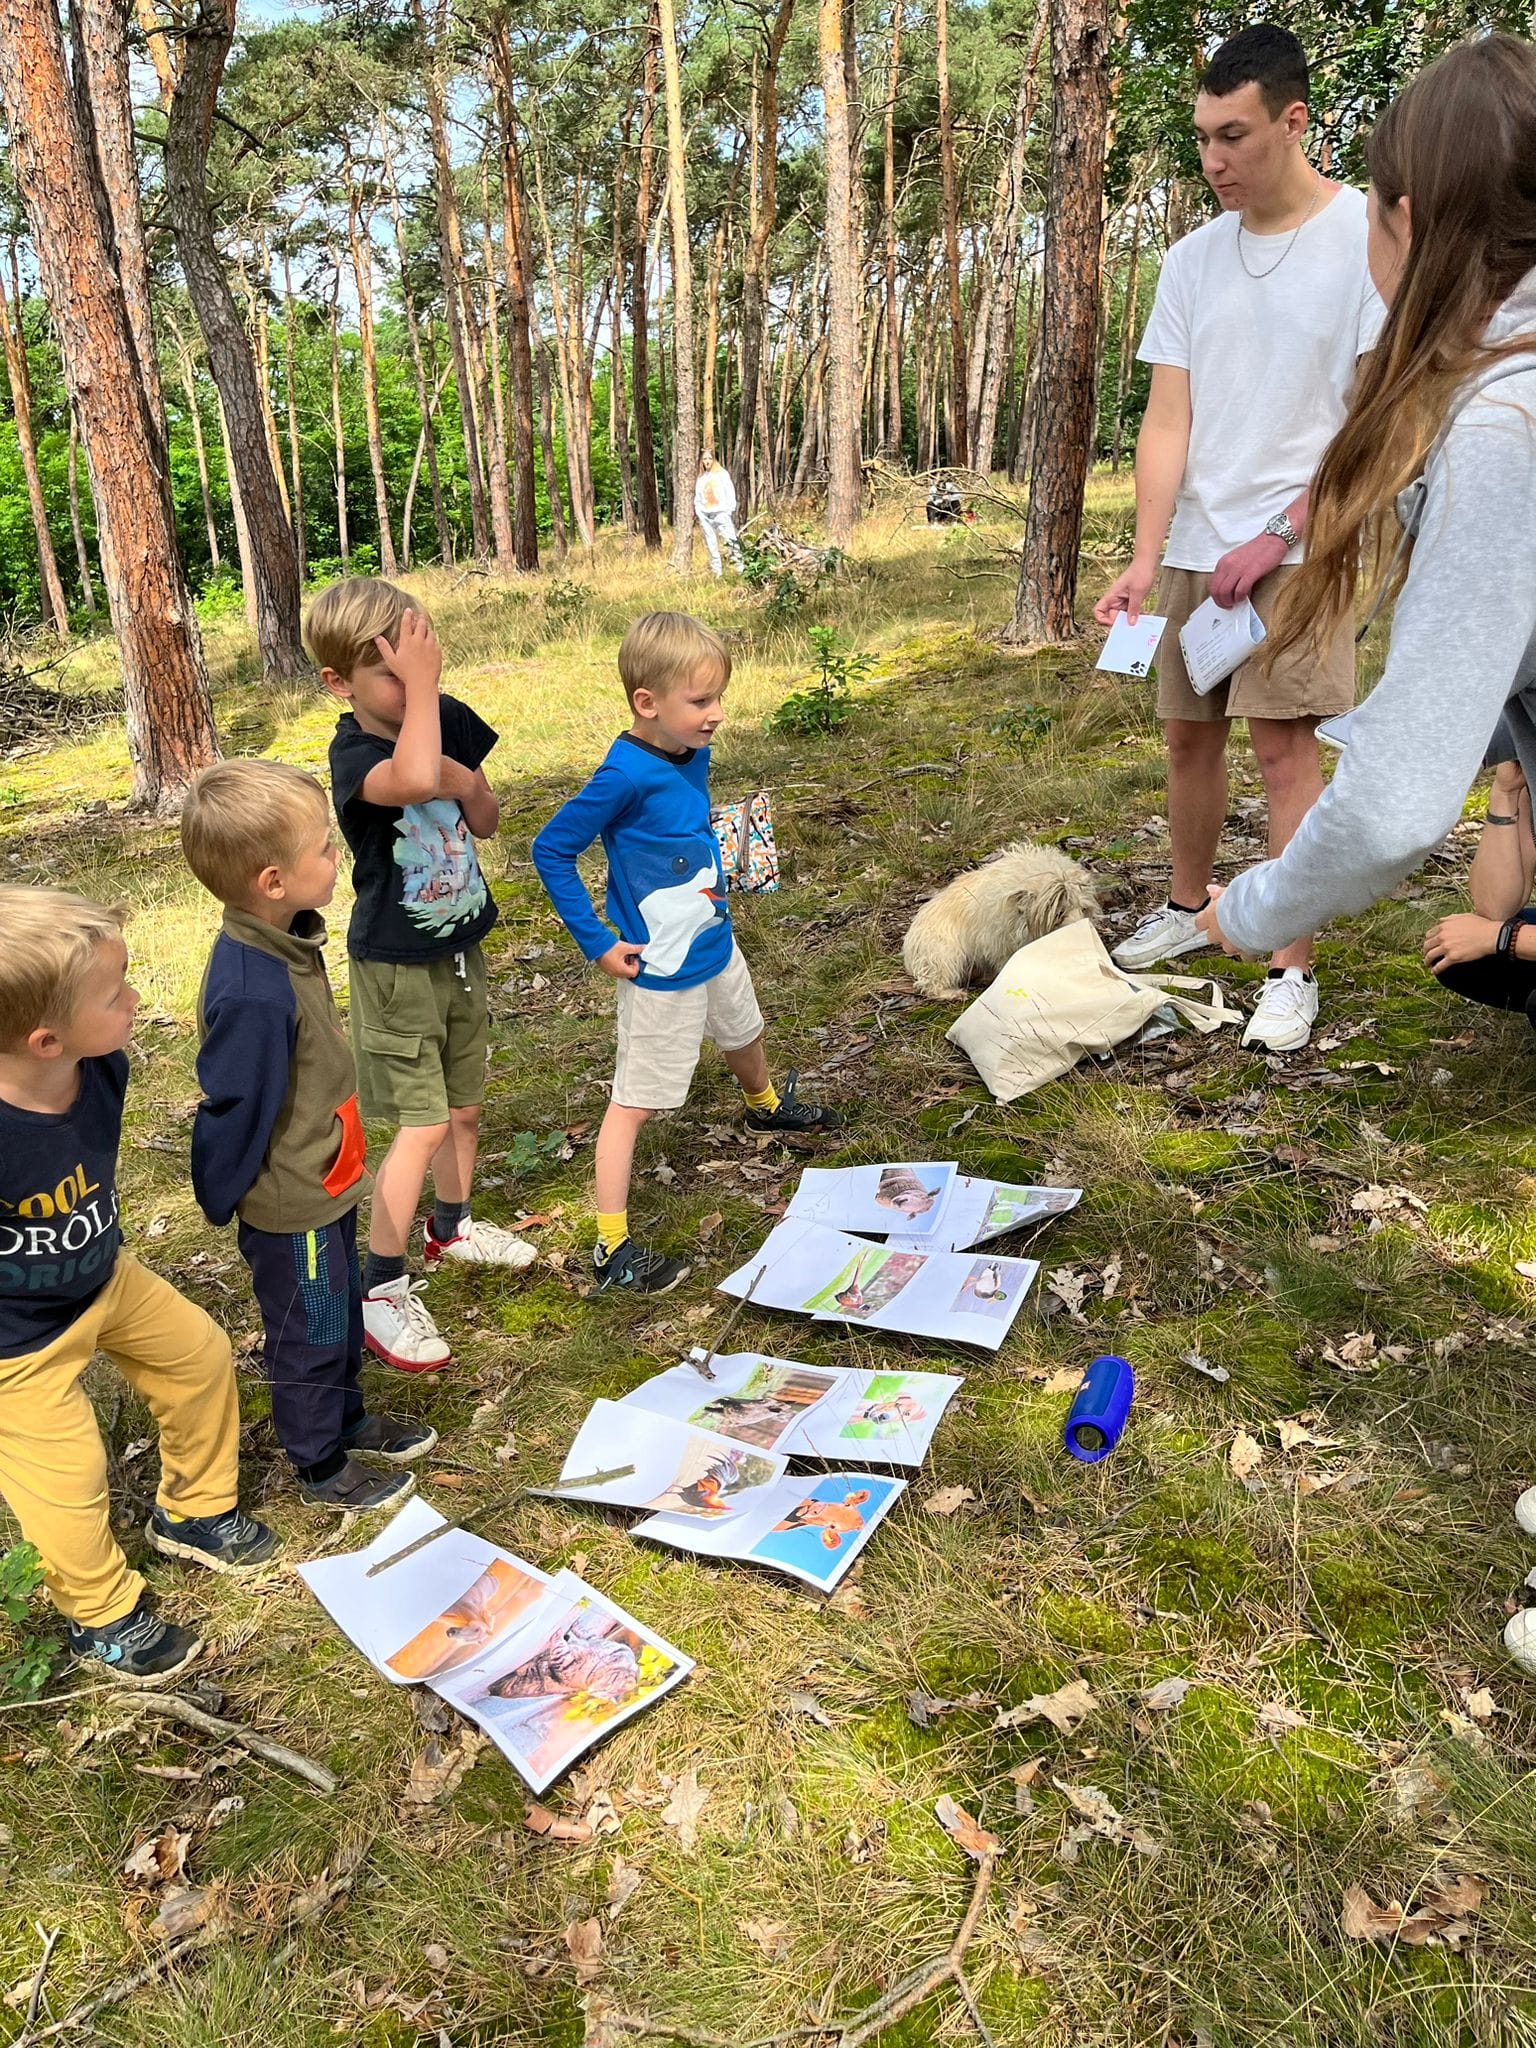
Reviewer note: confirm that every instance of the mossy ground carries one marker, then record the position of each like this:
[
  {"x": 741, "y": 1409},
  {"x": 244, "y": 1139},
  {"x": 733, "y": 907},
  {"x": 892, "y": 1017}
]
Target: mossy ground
[{"x": 1225, "y": 1191}]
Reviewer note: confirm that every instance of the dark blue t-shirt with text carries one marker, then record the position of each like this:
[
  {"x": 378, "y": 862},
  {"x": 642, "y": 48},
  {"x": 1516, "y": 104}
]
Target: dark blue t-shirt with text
[{"x": 59, "y": 1232}]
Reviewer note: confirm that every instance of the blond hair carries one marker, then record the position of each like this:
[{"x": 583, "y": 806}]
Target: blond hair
[
  {"x": 242, "y": 816},
  {"x": 345, "y": 620},
  {"x": 48, "y": 944},
  {"x": 660, "y": 653}
]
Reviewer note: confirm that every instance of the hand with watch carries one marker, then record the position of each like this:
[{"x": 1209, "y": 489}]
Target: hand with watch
[
  {"x": 1456, "y": 940},
  {"x": 1241, "y": 569}
]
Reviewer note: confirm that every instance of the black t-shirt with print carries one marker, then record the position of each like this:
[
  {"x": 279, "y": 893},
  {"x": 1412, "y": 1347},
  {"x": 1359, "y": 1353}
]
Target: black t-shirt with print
[
  {"x": 59, "y": 1233},
  {"x": 420, "y": 892}
]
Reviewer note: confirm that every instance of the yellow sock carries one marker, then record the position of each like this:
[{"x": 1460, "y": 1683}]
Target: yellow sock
[
  {"x": 767, "y": 1098},
  {"x": 612, "y": 1230}
]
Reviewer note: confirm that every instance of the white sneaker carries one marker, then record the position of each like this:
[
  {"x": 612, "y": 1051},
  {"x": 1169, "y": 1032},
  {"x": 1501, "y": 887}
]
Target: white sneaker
[
  {"x": 398, "y": 1329},
  {"x": 481, "y": 1244},
  {"x": 1525, "y": 1511},
  {"x": 1162, "y": 935},
  {"x": 1520, "y": 1639},
  {"x": 1283, "y": 1017}
]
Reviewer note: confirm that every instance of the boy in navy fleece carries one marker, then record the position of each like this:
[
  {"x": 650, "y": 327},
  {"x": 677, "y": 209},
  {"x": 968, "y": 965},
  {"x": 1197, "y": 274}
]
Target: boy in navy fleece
[
  {"x": 680, "y": 973},
  {"x": 278, "y": 1139}
]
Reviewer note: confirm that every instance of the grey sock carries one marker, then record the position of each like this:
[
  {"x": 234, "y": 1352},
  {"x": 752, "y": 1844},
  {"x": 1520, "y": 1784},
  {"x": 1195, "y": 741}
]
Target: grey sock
[
  {"x": 378, "y": 1271},
  {"x": 446, "y": 1218}
]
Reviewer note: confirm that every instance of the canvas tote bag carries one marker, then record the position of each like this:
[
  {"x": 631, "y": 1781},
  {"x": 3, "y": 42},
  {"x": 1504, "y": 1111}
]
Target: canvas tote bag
[
  {"x": 1061, "y": 998},
  {"x": 749, "y": 853}
]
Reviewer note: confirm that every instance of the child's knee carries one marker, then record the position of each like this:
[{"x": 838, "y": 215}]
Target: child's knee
[{"x": 466, "y": 1117}]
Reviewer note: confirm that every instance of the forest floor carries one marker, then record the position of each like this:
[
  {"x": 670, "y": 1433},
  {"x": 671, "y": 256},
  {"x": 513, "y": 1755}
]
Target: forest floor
[{"x": 1319, "y": 1547}]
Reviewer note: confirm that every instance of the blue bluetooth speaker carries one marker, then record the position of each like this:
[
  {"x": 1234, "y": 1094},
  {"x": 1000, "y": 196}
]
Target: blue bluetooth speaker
[{"x": 1099, "y": 1413}]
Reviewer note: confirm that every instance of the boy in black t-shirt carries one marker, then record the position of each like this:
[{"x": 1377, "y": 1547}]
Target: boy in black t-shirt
[
  {"x": 412, "y": 799},
  {"x": 68, "y": 1290}
]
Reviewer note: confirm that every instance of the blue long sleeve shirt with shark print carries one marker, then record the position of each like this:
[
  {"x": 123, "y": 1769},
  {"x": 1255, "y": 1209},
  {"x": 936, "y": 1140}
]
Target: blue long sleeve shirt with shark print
[{"x": 665, "y": 889}]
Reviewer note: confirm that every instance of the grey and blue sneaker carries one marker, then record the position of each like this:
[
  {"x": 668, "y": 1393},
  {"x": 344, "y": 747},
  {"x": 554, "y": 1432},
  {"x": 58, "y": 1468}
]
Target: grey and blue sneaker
[
  {"x": 141, "y": 1649},
  {"x": 392, "y": 1439},
  {"x": 630, "y": 1269},
  {"x": 804, "y": 1119},
  {"x": 230, "y": 1543}
]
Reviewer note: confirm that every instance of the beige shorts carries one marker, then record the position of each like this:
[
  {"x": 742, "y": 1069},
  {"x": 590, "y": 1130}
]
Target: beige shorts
[
  {"x": 1303, "y": 685},
  {"x": 662, "y": 1029}
]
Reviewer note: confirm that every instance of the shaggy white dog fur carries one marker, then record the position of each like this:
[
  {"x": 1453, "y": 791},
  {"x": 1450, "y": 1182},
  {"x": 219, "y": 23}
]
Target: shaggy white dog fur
[{"x": 966, "y": 932}]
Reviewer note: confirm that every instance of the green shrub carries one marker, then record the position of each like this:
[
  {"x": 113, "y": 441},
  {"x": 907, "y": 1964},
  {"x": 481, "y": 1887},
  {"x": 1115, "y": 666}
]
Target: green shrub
[{"x": 827, "y": 701}]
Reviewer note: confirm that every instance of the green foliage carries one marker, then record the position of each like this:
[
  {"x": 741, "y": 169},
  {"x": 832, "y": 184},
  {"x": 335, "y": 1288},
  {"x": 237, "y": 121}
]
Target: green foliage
[
  {"x": 566, "y": 604},
  {"x": 827, "y": 701},
  {"x": 1020, "y": 729},
  {"x": 24, "y": 1674},
  {"x": 531, "y": 1149},
  {"x": 221, "y": 597}
]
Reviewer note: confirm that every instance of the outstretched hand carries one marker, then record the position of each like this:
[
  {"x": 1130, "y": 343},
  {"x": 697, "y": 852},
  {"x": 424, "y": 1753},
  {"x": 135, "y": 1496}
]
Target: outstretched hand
[{"x": 1208, "y": 922}]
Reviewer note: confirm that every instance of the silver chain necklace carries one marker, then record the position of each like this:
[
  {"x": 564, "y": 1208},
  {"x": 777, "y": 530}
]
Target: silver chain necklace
[{"x": 1257, "y": 275}]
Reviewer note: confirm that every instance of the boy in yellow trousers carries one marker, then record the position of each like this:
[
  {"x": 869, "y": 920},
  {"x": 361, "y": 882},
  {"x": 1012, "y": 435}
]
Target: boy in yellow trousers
[{"x": 68, "y": 1290}]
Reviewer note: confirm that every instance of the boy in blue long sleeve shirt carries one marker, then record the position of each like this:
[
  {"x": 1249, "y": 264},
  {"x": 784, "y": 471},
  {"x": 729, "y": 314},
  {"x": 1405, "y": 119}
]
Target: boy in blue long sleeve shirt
[{"x": 681, "y": 978}]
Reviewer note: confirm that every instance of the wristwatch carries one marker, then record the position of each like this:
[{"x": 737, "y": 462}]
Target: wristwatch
[{"x": 1281, "y": 527}]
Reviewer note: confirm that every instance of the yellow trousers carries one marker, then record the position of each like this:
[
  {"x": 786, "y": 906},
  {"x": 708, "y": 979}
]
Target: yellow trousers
[{"x": 53, "y": 1464}]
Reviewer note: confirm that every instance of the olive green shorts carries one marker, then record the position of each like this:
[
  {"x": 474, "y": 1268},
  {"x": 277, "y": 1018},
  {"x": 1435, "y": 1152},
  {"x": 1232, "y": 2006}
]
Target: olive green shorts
[{"x": 419, "y": 1032}]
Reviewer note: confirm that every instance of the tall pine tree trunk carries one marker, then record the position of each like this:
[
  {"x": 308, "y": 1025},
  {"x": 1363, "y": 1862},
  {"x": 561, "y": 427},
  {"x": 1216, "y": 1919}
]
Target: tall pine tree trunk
[
  {"x": 518, "y": 258},
  {"x": 618, "y": 410},
  {"x": 13, "y": 336},
  {"x": 754, "y": 281},
  {"x": 82, "y": 556},
  {"x": 844, "y": 352},
  {"x": 959, "y": 454},
  {"x": 274, "y": 561},
  {"x": 199, "y": 446},
  {"x": 291, "y": 398},
  {"x": 893, "y": 435},
  {"x": 647, "y": 498},
  {"x": 427, "y": 406},
  {"x": 339, "y": 428},
  {"x": 1127, "y": 337},
  {"x": 685, "y": 434},
  {"x": 165, "y": 685},
  {"x": 1069, "y": 324},
  {"x": 360, "y": 248},
  {"x": 994, "y": 340}
]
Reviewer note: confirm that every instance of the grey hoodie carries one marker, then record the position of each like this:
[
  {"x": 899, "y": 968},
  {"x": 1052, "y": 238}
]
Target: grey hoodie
[{"x": 1462, "y": 657}]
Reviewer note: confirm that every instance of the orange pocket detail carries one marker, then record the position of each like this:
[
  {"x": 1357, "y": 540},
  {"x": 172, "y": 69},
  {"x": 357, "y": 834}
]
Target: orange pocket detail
[{"x": 347, "y": 1167}]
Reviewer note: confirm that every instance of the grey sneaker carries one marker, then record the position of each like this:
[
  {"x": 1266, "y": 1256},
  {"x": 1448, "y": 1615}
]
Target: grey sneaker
[
  {"x": 630, "y": 1269},
  {"x": 230, "y": 1543},
  {"x": 140, "y": 1649},
  {"x": 355, "y": 1490},
  {"x": 391, "y": 1439},
  {"x": 1162, "y": 935}
]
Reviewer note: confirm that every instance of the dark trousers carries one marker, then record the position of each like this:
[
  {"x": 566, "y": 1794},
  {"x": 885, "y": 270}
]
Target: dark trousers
[
  {"x": 311, "y": 1300},
  {"x": 1506, "y": 984}
]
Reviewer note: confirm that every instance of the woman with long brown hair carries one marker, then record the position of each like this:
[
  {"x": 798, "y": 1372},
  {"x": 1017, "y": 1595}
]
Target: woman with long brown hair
[{"x": 1441, "y": 430}]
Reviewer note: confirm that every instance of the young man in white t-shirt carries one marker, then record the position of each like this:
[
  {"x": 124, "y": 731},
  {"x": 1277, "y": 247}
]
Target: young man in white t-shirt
[{"x": 1260, "y": 318}]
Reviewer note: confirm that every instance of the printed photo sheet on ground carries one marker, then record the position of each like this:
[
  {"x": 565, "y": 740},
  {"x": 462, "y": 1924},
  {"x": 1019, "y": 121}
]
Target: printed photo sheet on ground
[
  {"x": 876, "y": 1199},
  {"x": 813, "y": 1529},
  {"x": 837, "y": 1278},
  {"x": 757, "y": 1401},
  {"x": 545, "y": 1666},
  {"x": 675, "y": 1469},
  {"x": 884, "y": 1418},
  {"x": 979, "y": 1210}
]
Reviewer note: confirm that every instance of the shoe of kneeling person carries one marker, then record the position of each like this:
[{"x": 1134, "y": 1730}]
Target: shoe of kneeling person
[
  {"x": 1525, "y": 1511},
  {"x": 1520, "y": 1639},
  {"x": 480, "y": 1244},
  {"x": 355, "y": 1490},
  {"x": 398, "y": 1329},
  {"x": 1283, "y": 1017},
  {"x": 1163, "y": 934},
  {"x": 632, "y": 1269},
  {"x": 794, "y": 1115},
  {"x": 139, "y": 1649},
  {"x": 392, "y": 1439},
  {"x": 230, "y": 1543}
]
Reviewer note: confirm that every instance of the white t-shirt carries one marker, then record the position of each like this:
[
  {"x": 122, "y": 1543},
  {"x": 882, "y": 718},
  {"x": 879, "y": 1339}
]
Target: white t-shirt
[
  {"x": 714, "y": 491},
  {"x": 1270, "y": 359}
]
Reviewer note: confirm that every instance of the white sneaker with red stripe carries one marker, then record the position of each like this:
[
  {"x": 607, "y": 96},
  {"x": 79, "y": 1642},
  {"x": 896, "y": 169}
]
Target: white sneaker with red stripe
[
  {"x": 480, "y": 1244},
  {"x": 398, "y": 1329}
]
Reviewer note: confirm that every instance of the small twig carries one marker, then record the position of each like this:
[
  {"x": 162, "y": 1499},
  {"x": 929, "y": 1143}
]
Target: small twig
[
  {"x": 706, "y": 1364},
  {"x": 50, "y": 1942},
  {"x": 588, "y": 1479},
  {"x": 696, "y": 2037},
  {"x": 171, "y": 1706},
  {"x": 973, "y": 2009},
  {"x": 903, "y": 1999},
  {"x": 410, "y": 1550},
  {"x": 917, "y": 768}
]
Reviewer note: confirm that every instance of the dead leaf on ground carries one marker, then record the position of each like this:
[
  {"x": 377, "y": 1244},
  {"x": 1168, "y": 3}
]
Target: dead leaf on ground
[
  {"x": 969, "y": 1834},
  {"x": 1244, "y": 1455},
  {"x": 623, "y": 1883},
  {"x": 1441, "y": 1919},
  {"x": 1480, "y": 1705},
  {"x": 1414, "y": 1790},
  {"x": 1066, "y": 1381},
  {"x": 1295, "y": 1431},
  {"x": 1202, "y": 1365},
  {"x": 1100, "y": 1818},
  {"x": 682, "y": 1810},
  {"x": 1308, "y": 1483},
  {"x": 1064, "y": 1708},
  {"x": 1167, "y": 1694},
  {"x": 584, "y": 1941},
  {"x": 771, "y": 1937},
  {"x": 948, "y": 1500},
  {"x": 1111, "y": 1277},
  {"x": 807, "y": 1703},
  {"x": 183, "y": 1911},
  {"x": 161, "y": 1858},
  {"x": 1276, "y": 1718},
  {"x": 710, "y": 1224},
  {"x": 1477, "y": 1739},
  {"x": 1069, "y": 1287},
  {"x": 439, "y": 1769},
  {"x": 559, "y": 1827}
]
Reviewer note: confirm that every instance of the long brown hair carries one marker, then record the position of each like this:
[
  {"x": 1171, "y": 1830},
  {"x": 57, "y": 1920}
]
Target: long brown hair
[{"x": 1461, "y": 142}]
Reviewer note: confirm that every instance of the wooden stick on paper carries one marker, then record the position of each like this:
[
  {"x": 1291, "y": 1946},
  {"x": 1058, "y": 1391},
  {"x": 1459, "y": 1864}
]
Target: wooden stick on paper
[
  {"x": 410, "y": 1550},
  {"x": 705, "y": 1365},
  {"x": 589, "y": 1479}
]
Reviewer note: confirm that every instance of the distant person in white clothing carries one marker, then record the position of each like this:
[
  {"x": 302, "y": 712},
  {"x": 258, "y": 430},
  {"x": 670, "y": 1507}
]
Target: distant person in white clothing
[
  {"x": 714, "y": 500},
  {"x": 1260, "y": 318}
]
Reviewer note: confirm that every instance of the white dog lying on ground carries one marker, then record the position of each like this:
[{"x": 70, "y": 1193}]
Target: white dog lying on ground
[{"x": 966, "y": 932}]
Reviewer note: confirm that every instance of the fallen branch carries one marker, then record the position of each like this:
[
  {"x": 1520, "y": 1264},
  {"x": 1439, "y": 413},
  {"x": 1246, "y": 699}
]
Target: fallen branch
[
  {"x": 706, "y": 1364},
  {"x": 170, "y": 1706},
  {"x": 50, "y": 1943},
  {"x": 950, "y": 768}
]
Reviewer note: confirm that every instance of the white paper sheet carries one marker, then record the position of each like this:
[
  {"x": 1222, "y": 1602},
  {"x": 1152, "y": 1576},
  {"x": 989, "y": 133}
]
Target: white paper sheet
[
  {"x": 576, "y": 1670},
  {"x": 813, "y": 1529},
  {"x": 913, "y": 1199},
  {"x": 1218, "y": 639},
  {"x": 877, "y": 1418},
  {"x": 1131, "y": 650},
  {"x": 676, "y": 1469},
  {"x": 837, "y": 1278},
  {"x": 983, "y": 1209},
  {"x": 752, "y": 1400}
]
